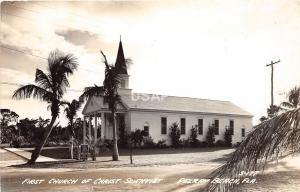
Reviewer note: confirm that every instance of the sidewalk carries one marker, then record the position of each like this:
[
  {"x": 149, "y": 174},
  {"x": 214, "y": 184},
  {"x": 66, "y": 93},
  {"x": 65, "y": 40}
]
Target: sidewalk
[{"x": 26, "y": 155}]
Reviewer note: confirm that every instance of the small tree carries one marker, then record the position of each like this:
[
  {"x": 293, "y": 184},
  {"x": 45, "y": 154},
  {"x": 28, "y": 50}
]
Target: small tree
[
  {"x": 137, "y": 137},
  {"x": 175, "y": 134},
  {"x": 194, "y": 142},
  {"x": 71, "y": 110},
  {"x": 228, "y": 138},
  {"x": 210, "y": 136}
]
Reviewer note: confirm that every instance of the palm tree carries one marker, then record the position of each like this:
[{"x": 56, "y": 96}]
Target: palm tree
[
  {"x": 273, "y": 110},
  {"x": 271, "y": 140},
  {"x": 109, "y": 92},
  {"x": 293, "y": 97},
  {"x": 71, "y": 112},
  {"x": 49, "y": 87}
]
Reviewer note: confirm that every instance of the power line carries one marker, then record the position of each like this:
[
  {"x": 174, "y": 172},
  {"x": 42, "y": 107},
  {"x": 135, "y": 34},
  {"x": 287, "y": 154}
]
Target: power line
[
  {"x": 8, "y": 83},
  {"x": 9, "y": 48},
  {"x": 3, "y": 46},
  {"x": 18, "y": 84}
]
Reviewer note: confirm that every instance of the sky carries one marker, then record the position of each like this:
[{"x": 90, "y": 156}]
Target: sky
[{"x": 210, "y": 49}]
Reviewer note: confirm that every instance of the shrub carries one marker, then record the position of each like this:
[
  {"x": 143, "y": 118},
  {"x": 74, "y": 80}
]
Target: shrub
[
  {"x": 184, "y": 143},
  {"x": 123, "y": 142},
  {"x": 104, "y": 145},
  {"x": 194, "y": 142},
  {"x": 137, "y": 137},
  {"x": 203, "y": 144},
  {"x": 228, "y": 138},
  {"x": 148, "y": 142},
  {"x": 175, "y": 135},
  {"x": 8, "y": 133},
  {"x": 161, "y": 144},
  {"x": 220, "y": 143},
  {"x": 18, "y": 141},
  {"x": 210, "y": 136}
]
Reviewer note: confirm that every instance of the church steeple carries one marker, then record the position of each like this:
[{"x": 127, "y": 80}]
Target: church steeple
[
  {"x": 120, "y": 61},
  {"x": 121, "y": 69}
]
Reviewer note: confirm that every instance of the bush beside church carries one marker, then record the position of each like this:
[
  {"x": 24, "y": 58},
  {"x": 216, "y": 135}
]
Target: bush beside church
[{"x": 140, "y": 139}]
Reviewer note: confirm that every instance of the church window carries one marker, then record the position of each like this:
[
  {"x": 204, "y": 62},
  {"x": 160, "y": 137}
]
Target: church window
[
  {"x": 182, "y": 126},
  {"x": 200, "y": 126},
  {"x": 243, "y": 132},
  {"x": 163, "y": 125},
  {"x": 216, "y": 127},
  {"x": 146, "y": 128},
  {"x": 231, "y": 127}
]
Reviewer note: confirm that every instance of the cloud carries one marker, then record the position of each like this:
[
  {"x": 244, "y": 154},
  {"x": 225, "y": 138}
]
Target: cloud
[{"x": 77, "y": 37}]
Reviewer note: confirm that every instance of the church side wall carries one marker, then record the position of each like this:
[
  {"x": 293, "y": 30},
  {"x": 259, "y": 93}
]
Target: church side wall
[{"x": 139, "y": 118}]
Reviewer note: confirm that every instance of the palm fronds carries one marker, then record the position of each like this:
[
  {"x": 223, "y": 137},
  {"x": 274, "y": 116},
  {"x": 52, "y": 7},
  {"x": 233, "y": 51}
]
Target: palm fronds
[
  {"x": 34, "y": 91},
  {"x": 92, "y": 91},
  {"x": 293, "y": 98},
  {"x": 49, "y": 87},
  {"x": 42, "y": 79},
  {"x": 104, "y": 59},
  {"x": 286, "y": 104},
  {"x": 270, "y": 140},
  {"x": 109, "y": 90},
  {"x": 72, "y": 108},
  {"x": 58, "y": 61},
  {"x": 60, "y": 66}
]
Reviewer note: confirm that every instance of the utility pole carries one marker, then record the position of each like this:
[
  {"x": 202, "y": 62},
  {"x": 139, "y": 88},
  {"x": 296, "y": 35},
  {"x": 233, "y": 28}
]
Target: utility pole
[{"x": 272, "y": 70}]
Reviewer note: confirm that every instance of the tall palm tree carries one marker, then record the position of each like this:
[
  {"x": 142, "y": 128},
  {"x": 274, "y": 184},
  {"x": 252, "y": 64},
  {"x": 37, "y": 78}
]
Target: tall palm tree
[
  {"x": 71, "y": 112},
  {"x": 293, "y": 97},
  {"x": 271, "y": 140},
  {"x": 49, "y": 87},
  {"x": 109, "y": 92}
]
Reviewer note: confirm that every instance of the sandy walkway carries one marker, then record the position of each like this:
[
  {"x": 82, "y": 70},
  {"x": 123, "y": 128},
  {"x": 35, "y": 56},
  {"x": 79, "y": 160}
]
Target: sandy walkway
[
  {"x": 281, "y": 177},
  {"x": 284, "y": 176}
]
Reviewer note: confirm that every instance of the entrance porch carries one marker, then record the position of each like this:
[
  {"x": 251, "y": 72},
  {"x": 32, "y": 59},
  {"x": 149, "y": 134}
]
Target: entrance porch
[{"x": 98, "y": 126}]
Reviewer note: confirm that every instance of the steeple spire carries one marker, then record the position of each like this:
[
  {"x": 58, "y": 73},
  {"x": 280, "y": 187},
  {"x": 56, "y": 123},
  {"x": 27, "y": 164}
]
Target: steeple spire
[{"x": 120, "y": 61}]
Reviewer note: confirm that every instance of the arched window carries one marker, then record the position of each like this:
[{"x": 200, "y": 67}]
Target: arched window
[{"x": 146, "y": 128}]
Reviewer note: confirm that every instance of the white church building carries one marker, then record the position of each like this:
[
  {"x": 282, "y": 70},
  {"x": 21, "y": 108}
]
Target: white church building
[{"x": 155, "y": 113}]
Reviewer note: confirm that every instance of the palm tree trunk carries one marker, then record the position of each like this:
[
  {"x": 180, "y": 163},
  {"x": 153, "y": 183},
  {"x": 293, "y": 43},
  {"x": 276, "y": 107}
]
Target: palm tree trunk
[
  {"x": 72, "y": 147},
  {"x": 115, "y": 155},
  {"x": 36, "y": 153},
  {"x": 72, "y": 140}
]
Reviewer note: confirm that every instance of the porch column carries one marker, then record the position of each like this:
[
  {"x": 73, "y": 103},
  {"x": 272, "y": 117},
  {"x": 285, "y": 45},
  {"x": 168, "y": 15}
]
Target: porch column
[
  {"x": 95, "y": 130},
  {"x": 102, "y": 125},
  {"x": 90, "y": 128},
  {"x": 84, "y": 130}
]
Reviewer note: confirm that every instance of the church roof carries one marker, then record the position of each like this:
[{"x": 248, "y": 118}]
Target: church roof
[
  {"x": 151, "y": 102},
  {"x": 120, "y": 61}
]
